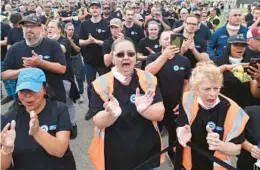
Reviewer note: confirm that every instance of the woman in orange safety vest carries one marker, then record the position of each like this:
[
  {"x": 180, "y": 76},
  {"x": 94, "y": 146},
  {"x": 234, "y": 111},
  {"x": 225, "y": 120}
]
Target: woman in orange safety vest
[
  {"x": 126, "y": 104},
  {"x": 210, "y": 120}
]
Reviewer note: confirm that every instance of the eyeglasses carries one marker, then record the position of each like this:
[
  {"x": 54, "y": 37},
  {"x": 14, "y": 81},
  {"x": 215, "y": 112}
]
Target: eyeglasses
[
  {"x": 106, "y": 8},
  {"x": 122, "y": 54},
  {"x": 190, "y": 23},
  {"x": 204, "y": 15},
  {"x": 238, "y": 45}
]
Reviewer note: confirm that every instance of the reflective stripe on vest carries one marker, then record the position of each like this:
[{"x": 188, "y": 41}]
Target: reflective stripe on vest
[
  {"x": 103, "y": 83},
  {"x": 100, "y": 133},
  {"x": 236, "y": 125}
]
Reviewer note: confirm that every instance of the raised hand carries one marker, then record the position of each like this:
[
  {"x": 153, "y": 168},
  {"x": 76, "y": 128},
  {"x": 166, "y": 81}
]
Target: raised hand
[
  {"x": 184, "y": 135},
  {"x": 143, "y": 102},
  {"x": 212, "y": 139},
  {"x": 33, "y": 61},
  {"x": 150, "y": 50},
  {"x": 8, "y": 135},
  {"x": 33, "y": 124},
  {"x": 112, "y": 106},
  {"x": 170, "y": 52}
]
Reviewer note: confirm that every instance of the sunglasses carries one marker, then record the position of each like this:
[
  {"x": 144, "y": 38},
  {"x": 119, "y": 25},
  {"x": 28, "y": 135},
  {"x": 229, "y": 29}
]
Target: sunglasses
[
  {"x": 122, "y": 54},
  {"x": 193, "y": 24},
  {"x": 106, "y": 8}
]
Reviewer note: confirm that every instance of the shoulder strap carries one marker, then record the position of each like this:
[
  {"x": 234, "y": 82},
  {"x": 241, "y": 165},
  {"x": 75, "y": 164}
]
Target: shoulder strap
[
  {"x": 104, "y": 85},
  {"x": 146, "y": 80}
]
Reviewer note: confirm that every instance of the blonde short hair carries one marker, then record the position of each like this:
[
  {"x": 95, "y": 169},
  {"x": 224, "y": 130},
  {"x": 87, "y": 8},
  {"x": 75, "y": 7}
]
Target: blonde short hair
[{"x": 205, "y": 70}]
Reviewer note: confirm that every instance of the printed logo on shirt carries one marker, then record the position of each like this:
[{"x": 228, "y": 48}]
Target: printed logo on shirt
[
  {"x": 132, "y": 98},
  {"x": 46, "y": 57},
  {"x": 53, "y": 127},
  {"x": 133, "y": 33},
  {"x": 197, "y": 46},
  {"x": 223, "y": 36},
  {"x": 218, "y": 128},
  {"x": 156, "y": 46},
  {"x": 99, "y": 30},
  {"x": 177, "y": 68},
  {"x": 211, "y": 125},
  {"x": 118, "y": 14},
  {"x": 45, "y": 128}
]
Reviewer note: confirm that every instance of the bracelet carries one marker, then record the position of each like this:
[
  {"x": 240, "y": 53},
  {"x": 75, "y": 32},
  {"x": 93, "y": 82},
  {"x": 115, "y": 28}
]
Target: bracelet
[{"x": 7, "y": 153}]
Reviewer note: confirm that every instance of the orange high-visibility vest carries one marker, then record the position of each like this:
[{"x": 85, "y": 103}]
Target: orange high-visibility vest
[
  {"x": 234, "y": 125},
  {"x": 104, "y": 87}
]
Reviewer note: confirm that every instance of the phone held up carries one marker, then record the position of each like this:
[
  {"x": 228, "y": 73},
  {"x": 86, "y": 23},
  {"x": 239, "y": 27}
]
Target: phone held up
[{"x": 177, "y": 40}]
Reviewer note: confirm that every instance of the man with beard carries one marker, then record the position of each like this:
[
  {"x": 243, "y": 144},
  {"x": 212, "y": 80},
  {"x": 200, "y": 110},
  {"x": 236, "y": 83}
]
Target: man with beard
[
  {"x": 106, "y": 12},
  {"x": 36, "y": 51},
  {"x": 92, "y": 34}
]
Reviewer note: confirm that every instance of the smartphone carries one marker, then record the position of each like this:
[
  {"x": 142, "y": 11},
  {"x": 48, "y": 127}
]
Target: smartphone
[
  {"x": 253, "y": 62},
  {"x": 176, "y": 40}
]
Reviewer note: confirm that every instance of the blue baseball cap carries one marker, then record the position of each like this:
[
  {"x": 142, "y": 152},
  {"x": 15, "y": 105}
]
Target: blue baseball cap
[{"x": 30, "y": 79}]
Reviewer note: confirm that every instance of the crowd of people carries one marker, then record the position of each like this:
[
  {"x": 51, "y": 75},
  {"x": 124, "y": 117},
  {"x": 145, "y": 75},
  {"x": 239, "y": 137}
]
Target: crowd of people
[{"x": 139, "y": 84}]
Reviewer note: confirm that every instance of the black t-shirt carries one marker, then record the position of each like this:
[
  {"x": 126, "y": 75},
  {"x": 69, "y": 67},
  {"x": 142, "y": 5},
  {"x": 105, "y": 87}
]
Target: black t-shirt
[
  {"x": 116, "y": 14},
  {"x": 76, "y": 41},
  {"x": 249, "y": 17},
  {"x": 4, "y": 34},
  {"x": 171, "y": 78},
  {"x": 29, "y": 13},
  {"x": 209, "y": 25},
  {"x": 146, "y": 12},
  {"x": 132, "y": 139},
  {"x": 107, "y": 19},
  {"x": 173, "y": 15},
  {"x": 203, "y": 32},
  {"x": 252, "y": 134},
  {"x": 136, "y": 33},
  {"x": 252, "y": 54},
  {"x": 15, "y": 35},
  {"x": 28, "y": 153},
  {"x": 251, "y": 22},
  {"x": 66, "y": 43},
  {"x": 177, "y": 24},
  {"x": 201, "y": 46},
  {"x": 48, "y": 50},
  {"x": 216, "y": 115},
  {"x": 92, "y": 53},
  {"x": 152, "y": 44},
  {"x": 66, "y": 14}
]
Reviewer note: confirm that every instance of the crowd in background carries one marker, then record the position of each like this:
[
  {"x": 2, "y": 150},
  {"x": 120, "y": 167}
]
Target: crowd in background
[{"x": 86, "y": 31}]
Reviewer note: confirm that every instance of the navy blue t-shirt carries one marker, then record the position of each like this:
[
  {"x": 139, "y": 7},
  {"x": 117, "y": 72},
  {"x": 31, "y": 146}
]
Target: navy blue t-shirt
[
  {"x": 15, "y": 35},
  {"x": 136, "y": 33},
  {"x": 4, "y": 34},
  {"x": 28, "y": 153},
  {"x": 48, "y": 50}
]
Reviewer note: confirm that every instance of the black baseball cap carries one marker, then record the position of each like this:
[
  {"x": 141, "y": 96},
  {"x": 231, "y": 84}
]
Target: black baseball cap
[
  {"x": 238, "y": 38},
  {"x": 31, "y": 19},
  {"x": 97, "y": 3}
]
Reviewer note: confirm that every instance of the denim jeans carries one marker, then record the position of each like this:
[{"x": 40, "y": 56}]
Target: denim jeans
[{"x": 91, "y": 73}]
